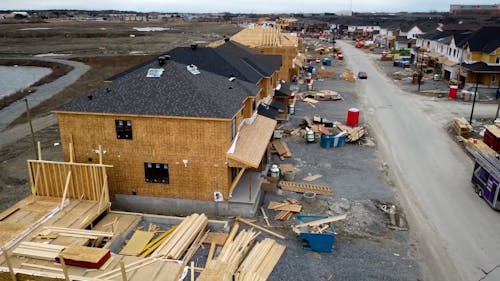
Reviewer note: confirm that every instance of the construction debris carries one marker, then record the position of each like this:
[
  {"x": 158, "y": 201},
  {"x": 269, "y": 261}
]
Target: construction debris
[
  {"x": 348, "y": 75},
  {"x": 480, "y": 146},
  {"x": 462, "y": 127},
  {"x": 281, "y": 148},
  {"x": 286, "y": 209},
  {"x": 137, "y": 243},
  {"x": 325, "y": 73},
  {"x": 353, "y": 133},
  {"x": 82, "y": 256},
  {"x": 312, "y": 177}
]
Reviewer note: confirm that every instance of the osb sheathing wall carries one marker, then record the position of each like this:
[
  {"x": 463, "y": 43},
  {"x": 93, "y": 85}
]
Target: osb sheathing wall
[
  {"x": 203, "y": 143},
  {"x": 287, "y": 55}
]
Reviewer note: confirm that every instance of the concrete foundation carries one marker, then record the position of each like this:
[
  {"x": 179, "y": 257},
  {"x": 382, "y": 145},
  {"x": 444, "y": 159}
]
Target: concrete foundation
[{"x": 183, "y": 207}]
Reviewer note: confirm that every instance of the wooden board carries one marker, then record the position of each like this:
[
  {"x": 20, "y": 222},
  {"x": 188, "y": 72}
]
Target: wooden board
[
  {"x": 137, "y": 242},
  {"x": 312, "y": 177},
  {"x": 219, "y": 238},
  {"x": 305, "y": 187}
]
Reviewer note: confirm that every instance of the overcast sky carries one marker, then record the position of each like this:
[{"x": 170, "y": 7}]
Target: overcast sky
[{"x": 255, "y": 6}]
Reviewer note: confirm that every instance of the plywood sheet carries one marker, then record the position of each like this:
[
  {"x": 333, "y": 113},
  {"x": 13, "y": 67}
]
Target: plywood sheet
[
  {"x": 137, "y": 242},
  {"x": 252, "y": 142}
]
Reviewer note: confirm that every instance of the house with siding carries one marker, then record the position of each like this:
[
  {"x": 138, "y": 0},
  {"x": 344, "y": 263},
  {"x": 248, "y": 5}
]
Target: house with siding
[
  {"x": 182, "y": 132},
  {"x": 481, "y": 62}
]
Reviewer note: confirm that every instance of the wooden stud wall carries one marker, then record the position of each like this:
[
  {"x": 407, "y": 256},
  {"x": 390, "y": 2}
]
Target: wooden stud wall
[
  {"x": 203, "y": 142},
  {"x": 49, "y": 178}
]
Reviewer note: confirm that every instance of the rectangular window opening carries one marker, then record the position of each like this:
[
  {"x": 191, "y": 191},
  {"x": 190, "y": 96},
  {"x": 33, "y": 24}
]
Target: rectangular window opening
[
  {"x": 156, "y": 173},
  {"x": 123, "y": 129}
]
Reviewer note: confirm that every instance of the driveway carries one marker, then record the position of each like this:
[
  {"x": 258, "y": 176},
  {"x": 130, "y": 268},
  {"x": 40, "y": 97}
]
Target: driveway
[
  {"x": 44, "y": 92},
  {"x": 457, "y": 231}
]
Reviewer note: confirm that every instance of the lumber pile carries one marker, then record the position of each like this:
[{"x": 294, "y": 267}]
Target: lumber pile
[
  {"x": 87, "y": 257},
  {"x": 74, "y": 232},
  {"x": 480, "y": 146},
  {"x": 327, "y": 95},
  {"x": 462, "y": 127},
  {"x": 182, "y": 237},
  {"x": 260, "y": 262},
  {"x": 347, "y": 75},
  {"x": 40, "y": 251},
  {"x": 232, "y": 254},
  {"x": 352, "y": 133},
  {"x": 281, "y": 149},
  {"x": 325, "y": 73},
  {"x": 306, "y": 187},
  {"x": 153, "y": 245},
  {"x": 286, "y": 209}
]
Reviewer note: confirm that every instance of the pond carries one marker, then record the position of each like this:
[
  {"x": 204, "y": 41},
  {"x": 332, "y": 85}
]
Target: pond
[{"x": 14, "y": 78}]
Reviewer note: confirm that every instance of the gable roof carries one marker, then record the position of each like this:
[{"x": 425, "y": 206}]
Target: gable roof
[
  {"x": 264, "y": 64},
  {"x": 485, "y": 40},
  {"x": 177, "y": 92}
]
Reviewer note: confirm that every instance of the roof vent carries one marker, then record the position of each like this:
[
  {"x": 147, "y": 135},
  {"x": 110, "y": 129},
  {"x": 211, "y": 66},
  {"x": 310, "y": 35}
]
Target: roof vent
[
  {"x": 226, "y": 39},
  {"x": 154, "y": 72},
  {"x": 193, "y": 69},
  {"x": 230, "y": 88},
  {"x": 161, "y": 61},
  {"x": 108, "y": 90},
  {"x": 167, "y": 57},
  {"x": 194, "y": 46},
  {"x": 231, "y": 78},
  {"x": 90, "y": 97}
]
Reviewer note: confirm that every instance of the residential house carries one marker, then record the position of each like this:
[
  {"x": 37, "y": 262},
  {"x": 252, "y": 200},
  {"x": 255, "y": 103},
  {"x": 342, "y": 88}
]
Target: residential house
[
  {"x": 269, "y": 40},
  {"x": 481, "y": 63},
  {"x": 180, "y": 132}
]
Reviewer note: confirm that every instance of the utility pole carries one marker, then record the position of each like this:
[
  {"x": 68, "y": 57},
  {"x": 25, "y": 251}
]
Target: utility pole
[
  {"x": 474, "y": 100},
  {"x": 31, "y": 128},
  {"x": 419, "y": 74}
]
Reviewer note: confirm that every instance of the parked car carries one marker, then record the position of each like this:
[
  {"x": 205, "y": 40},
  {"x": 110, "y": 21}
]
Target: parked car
[{"x": 362, "y": 75}]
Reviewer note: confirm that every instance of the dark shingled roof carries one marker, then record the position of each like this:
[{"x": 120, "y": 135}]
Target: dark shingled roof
[
  {"x": 486, "y": 39},
  {"x": 264, "y": 64},
  {"x": 177, "y": 92},
  {"x": 482, "y": 67}
]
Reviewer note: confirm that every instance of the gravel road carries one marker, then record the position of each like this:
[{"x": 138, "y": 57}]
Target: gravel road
[
  {"x": 44, "y": 92},
  {"x": 458, "y": 229}
]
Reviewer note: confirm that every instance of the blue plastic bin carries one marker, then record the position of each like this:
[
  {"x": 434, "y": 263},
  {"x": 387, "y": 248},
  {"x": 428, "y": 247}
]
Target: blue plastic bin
[
  {"x": 338, "y": 140},
  {"x": 325, "y": 141}
]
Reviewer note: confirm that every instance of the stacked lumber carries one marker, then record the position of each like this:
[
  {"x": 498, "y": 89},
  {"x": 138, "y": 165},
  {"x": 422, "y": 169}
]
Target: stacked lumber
[
  {"x": 40, "y": 251},
  {"x": 462, "y": 127},
  {"x": 286, "y": 209},
  {"x": 75, "y": 232},
  {"x": 153, "y": 245},
  {"x": 305, "y": 187},
  {"x": 232, "y": 254},
  {"x": 260, "y": 262},
  {"x": 281, "y": 148},
  {"x": 352, "y": 133},
  {"x": 327, "y": 95},
  {"x": 325, "y": 73},
  {"x": 347, "y": 75},
  {"x": 480, "y": 146},
  {"x": 87, "y": 257},
  {"x": 182, "y": 237}
]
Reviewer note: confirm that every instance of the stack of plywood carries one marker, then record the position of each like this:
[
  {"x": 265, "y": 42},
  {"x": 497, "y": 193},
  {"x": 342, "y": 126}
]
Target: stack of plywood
[
  {"x": 230, "y": 257},
  {"x": 282, "y": 149},
  {"x": 182, "y": 237},
  {"x": 462, "y": 127},
  {"x": 260, "y": 262},
  {"x": 285, "y": 209},
  {"x": 480, "y": 146}
]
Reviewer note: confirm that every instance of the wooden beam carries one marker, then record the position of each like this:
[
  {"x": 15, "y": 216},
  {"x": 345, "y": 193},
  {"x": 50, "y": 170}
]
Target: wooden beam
[
  {"x": 102, "y": 196},
  {"x": 9, "y": 265},
  {"x": 100, "y": 154},
  {"x": 260, "y": 228},
  {"x": 122, "y": 268},
  {"x": 235, "y": 182},
  {"x": 211, "y": 253},
  {"x": 64, "y": 268},
  {"x": 68, "y": 178},
  {"x": 71, "y": 153},
  {"x": 41, "y": 266},
  {"x": 70, "y": 164},
  {"x": 39, "y": 146},
  {"x": 323, "y": 221},
  {"x": 192, "y": 271}
]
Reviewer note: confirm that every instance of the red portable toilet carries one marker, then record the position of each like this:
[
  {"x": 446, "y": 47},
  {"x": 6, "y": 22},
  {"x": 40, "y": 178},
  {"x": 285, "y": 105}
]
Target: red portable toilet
[
  {"x": 453, "y": 92},
  {"x": 352, "y": 117}
]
